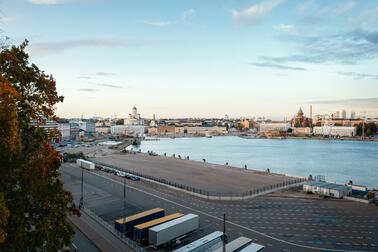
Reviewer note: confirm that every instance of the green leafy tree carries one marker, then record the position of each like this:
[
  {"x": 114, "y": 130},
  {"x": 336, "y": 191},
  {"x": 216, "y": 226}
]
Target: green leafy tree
[{"x": 36, "y": 205}]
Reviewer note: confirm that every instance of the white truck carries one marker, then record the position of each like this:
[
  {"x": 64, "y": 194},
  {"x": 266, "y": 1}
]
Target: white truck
[
  {"x": 168, "y": 232},
  {"x": 85, "y": 164}
]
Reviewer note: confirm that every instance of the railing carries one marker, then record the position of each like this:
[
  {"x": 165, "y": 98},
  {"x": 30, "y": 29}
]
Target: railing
[
  {"x": 208, "y": 194},
  {"x": 133, "y": 245}
]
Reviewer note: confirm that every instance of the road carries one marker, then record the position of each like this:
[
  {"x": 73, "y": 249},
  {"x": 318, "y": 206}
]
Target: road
[{"x": 279, "y": 222}]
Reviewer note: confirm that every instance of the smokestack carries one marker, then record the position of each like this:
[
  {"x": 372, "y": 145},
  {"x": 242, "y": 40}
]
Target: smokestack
[{"x": 311, "y": 111}]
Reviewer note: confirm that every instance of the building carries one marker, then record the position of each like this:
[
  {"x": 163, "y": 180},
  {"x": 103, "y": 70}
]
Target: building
[
  {"x": 343, "y": 114},
  {"x": 327, "y": 189},
  {"x": 302, "y": 131},
  {"x": 90, "y": 127},
  {"x": 280, "y": 127},
  {"x": 352, "y": 114},
  {"x": 201, "y": 131},
  {"x": 103, "y": 129},
  {"x": 335, "y": 131},
  {"x": 134, "y": 118},
  {"x": 246, "y": 123},
  {"x": 74, "y": 130},
  {"x": 118, "y": 130},
  {"x": 65, "y": 131},
  {"x": 300, "y": 120}
]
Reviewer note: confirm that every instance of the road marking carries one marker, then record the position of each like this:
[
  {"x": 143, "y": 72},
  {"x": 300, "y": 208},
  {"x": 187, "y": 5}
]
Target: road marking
[{"x": 220, "y": 219}]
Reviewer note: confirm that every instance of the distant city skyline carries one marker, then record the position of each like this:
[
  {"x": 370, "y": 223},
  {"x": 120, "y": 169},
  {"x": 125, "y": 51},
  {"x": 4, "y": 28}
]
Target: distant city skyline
[{"x": 202, "y": 59}]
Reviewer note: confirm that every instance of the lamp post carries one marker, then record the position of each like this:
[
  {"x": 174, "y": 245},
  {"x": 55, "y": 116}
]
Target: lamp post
[
  {"x": 224, "y": 233},
  {"x": 81, "y": 204},
  {"x": 124, "y": 201}
]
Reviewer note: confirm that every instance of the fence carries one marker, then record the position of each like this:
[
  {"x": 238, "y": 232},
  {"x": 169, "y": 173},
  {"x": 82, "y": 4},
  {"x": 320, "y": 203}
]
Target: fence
[
  {"x": 133, "y": 245},
  {"x": 211, "y": 195}
]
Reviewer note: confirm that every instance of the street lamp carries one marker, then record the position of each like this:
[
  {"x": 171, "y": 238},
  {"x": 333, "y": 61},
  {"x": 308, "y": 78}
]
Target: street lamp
[
  {"x": 124, "y": 200},
  {"x": 81, "y": 204},
  {"x": 224, "y": 233}
]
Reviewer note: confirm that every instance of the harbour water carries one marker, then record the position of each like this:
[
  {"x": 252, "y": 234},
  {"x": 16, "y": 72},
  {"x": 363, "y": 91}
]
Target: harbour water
[{"x": 338, "y": 161}]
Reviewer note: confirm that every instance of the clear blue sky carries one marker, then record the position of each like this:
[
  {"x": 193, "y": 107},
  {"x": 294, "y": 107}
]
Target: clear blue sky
[{"x": 202, "y": 58}]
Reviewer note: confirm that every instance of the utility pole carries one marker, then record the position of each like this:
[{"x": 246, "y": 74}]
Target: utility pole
[
  {"x": 81, "y": 204},
  {"x": 124, "y": 201},
  {"x": 224, "y": 233}
]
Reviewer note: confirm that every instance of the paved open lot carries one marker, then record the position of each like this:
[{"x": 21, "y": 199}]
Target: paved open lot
[
  {"x": 289, "y": 221},
  {"x": 204, "y": 176}
]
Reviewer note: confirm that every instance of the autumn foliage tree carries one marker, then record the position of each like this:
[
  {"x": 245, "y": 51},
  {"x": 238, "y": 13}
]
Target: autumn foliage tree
[{"x": 33, "y": 204}]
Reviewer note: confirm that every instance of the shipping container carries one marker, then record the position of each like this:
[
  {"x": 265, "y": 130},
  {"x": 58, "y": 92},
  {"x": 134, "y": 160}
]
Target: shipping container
[
  {"x": 236, "y": 245},
  {"x": 171, "y": 230},
  {"x": 140, "y": 233},
  {"x": 126, "y": 225},
  {"x": 208, "y": 243},
  {"x": 85, "y": 164}
]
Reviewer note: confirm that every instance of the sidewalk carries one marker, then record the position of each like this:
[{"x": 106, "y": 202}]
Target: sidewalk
[{"x": 99, "y": 235}]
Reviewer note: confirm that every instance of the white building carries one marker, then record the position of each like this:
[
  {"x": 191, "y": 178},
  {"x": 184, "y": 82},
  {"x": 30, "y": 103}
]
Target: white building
[
  {"x": 265, "y": 127},
  {"x": 134, "y": 118},
  {"x": 327, "y": 189},
  {"x": 65, "y": 130},
  {"x": 131, "y": 130},
  {"x": 335, "y": 131}
]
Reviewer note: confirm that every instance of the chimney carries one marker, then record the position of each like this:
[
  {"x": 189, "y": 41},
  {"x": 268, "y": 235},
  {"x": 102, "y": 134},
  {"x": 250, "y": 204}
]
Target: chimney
[{"x": 311, "y": 111}]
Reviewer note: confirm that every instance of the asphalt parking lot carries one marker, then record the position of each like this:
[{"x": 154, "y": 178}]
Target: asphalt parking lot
[{"x": 288, "y": 221}]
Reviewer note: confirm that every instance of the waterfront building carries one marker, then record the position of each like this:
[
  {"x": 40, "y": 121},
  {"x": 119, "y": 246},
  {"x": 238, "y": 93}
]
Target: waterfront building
[
  {"x": 300, "y": 120},
  {"x": 166, "y": 130},
  {"x": 279, "y": 127},
  {"x": 200, "y": 131},
  {"x": 343, "y": 114},
  {"x": 335, "y": 131},
  {"x": 246, "y": 123},
  {"x": 301, "y": 131},
  {"x": 327, "y": 189},
  {"x": 130, "y": 130},
  {"x": 118, "y": 130}
]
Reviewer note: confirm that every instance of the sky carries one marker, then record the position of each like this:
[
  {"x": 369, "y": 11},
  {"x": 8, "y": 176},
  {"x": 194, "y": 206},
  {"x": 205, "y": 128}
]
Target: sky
[{"x": 202, "y": 58}]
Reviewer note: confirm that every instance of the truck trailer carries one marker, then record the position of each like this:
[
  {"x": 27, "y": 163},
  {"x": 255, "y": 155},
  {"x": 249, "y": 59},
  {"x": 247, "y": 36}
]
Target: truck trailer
[
  {"x": 208, "y": 243},
  {"x": 253, "y": 247},
  {"x": 236, "y": 245},
  {"x": 85, "y": 164},
  {"x": 140, "y": 233},
  {"x": 168, "y": 232},
  {"x": 126, "y": 225}
]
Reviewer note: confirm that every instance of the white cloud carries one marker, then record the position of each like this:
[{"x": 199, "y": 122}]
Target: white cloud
[
  {"x": 345, "y": 7},
  {"x": 285, "y": 28},
  {"x": 45, "y": 2},
  {"x": 157, "y": 23},
  {"x": 43, "y": 48},
  {"x": 254, "y": 13},
  {"x": 188, "y": 14}
]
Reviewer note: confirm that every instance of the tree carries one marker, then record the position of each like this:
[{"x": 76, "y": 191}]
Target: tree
[
  {"x": 119, "y": 122},
  {"x": 370, "y": 129},
  {"x": 36, "y": 205}
]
